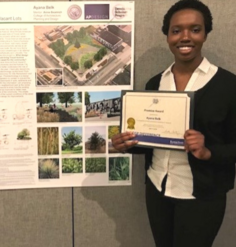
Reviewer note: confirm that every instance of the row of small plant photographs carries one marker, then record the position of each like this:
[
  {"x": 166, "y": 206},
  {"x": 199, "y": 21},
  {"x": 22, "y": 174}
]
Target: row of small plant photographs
[
  {"x": 68, "y": 106},
  {"x": 72, "y": 143},
  {"x": 118, "y": 167}
]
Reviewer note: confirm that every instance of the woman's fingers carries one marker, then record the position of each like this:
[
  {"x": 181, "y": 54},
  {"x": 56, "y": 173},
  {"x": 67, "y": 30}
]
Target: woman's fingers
[
  {"x": 123, "y": 141},
  {"x": 195, "y": 143}
]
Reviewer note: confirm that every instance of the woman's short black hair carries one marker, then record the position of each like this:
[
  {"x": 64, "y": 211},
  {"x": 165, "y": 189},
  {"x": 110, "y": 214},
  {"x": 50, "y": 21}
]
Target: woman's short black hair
[{"x": 188, "y": 4}]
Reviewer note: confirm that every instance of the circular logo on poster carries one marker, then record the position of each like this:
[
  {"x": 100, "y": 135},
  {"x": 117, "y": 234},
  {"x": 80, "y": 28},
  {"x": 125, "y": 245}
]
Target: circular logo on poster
[{"x": 74, "y": 12}]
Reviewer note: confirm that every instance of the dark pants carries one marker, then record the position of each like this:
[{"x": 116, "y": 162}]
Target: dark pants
[{"x": 183, "y": 222}]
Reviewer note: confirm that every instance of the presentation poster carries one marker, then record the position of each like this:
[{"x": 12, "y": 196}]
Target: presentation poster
[{"x": 63, "y": 66}]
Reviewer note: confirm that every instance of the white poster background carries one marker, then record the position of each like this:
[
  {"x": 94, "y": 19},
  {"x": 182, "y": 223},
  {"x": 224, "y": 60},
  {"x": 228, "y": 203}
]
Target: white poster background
[{"x": 35, "y": 79}]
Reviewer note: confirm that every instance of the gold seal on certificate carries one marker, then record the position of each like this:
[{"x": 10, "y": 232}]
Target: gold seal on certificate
[
  {"x": 130, "y": 123},
  {"x": 158, "y": 119}
]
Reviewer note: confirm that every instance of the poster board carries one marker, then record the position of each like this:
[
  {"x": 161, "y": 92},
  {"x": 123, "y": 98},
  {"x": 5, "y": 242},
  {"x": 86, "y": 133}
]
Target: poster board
[{"x": 63, "y": 65}]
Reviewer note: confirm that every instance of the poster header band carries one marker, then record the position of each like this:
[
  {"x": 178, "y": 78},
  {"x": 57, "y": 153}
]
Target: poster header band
[{"x": 66, "y": 11}]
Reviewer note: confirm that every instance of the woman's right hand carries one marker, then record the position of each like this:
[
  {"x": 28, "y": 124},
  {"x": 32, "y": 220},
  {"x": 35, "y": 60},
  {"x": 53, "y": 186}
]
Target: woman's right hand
[{"x": 123, "y": 141}]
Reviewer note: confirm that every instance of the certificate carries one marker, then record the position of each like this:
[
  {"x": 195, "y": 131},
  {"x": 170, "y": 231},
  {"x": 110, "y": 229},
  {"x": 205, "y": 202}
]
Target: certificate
[{"x": 158, "y": 119}]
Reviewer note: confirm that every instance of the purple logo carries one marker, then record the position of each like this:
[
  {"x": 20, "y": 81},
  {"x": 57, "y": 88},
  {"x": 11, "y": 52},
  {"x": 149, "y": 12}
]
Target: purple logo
[
  {"x": 74, "y": 12},
  {"x": 97, "y": 11}
]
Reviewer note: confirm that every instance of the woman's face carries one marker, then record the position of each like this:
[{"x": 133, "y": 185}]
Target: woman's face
[{"x": 186, "y": 35}]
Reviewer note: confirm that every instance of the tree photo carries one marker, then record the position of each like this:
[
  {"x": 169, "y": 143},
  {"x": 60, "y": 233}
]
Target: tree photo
[
  {"x": 59, "y": 107},
  {"x": 66, "y": 97},
  {"x": 95, "y": 139},
  {"x": 71, "y": 140},
  {"x": 24, "y": 135}
]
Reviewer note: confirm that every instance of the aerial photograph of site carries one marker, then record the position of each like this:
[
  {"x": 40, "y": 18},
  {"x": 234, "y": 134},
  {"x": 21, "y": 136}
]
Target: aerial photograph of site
[
  {"x": 90, "y": 55},
  {"x": 49, "y": 77}
]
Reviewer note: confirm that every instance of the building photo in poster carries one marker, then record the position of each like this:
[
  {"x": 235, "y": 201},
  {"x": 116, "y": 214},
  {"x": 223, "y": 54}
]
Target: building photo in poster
[{"x": 102, "y": 106}]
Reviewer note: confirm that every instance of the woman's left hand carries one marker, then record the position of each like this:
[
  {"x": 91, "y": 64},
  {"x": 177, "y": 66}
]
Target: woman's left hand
[{"x": 195, "y": 143}]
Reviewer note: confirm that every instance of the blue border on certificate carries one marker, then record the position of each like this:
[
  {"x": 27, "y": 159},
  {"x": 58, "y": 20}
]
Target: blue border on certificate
[{"x": 159, "y": 140}]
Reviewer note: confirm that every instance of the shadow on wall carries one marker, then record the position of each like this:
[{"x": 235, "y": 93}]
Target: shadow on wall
[
  {"x": 115, "y": 216},
  {"x": 221, "y": 58},
  {"x": 226, "y": 235},
  {"x": 152, "y": 62}
]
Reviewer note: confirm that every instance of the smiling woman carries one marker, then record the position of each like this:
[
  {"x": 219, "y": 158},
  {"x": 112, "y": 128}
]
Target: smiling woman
[
  {"x": 186, "y": 191},
  {"x": 186, "y": 35}
]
